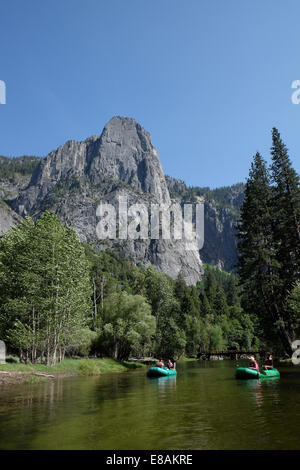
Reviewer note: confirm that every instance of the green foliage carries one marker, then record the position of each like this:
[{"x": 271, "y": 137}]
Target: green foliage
[
  {"x": 233, "y": 291},
  {"x": 125, "y": 326},
  {"x": 269, "y": 243},
  {"x": 45, "y": 289},
  {"x": 10, "y": 168},
  {"x": 188, "y": 318},
  {"x": 159, "y": 291},
  {"x": 293, "y": 307},
  {"x": 285, "y": 211}
]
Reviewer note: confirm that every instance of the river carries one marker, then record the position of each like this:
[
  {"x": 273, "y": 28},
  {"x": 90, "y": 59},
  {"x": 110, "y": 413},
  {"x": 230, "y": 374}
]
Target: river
[{"x": 204, "y": 407}]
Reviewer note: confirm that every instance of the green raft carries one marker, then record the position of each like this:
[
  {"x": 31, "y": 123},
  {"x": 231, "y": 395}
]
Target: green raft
[
  {"x": 248, "y": 373},
  {"x": 159, "y": 372}
]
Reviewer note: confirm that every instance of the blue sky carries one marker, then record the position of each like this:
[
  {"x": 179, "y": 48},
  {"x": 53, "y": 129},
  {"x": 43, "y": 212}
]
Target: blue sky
[{"x": 207, "y": 78}]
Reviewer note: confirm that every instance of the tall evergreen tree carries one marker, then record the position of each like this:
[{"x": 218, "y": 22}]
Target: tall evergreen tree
[
  {"x": 293, "y": 305},
  {"x": 269, "y": 246},
  {"x": 232, "y": 291},
  {"x": 206, "y": 309},
  {"x": 258, "y": 268},
  {"x": 286, "y": 220},
  {"x": 210, "y": 286},
  {"x": 286, "y": 231},
  {"x": 220, "y": 304}
]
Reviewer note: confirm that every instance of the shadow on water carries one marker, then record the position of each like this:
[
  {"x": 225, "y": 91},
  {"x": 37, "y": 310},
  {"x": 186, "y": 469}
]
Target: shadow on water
[{"x": 203, "y": 407}]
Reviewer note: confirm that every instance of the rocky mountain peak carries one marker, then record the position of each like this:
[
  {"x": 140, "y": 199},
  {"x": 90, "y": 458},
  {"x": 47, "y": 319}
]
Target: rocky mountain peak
[
  {"x": 127, "y": 131},
  {"x": 125, "y": 152}
]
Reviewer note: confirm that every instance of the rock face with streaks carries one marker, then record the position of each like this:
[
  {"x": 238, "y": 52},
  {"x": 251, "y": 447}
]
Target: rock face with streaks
[
  {"x": 221, "y": 214},
  {"x": 8, "y": 218}
]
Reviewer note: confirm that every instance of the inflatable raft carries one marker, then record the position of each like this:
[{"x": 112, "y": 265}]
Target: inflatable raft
[
  {"x": 159, "y": 372},
  {"x": 248, "y": 373}
]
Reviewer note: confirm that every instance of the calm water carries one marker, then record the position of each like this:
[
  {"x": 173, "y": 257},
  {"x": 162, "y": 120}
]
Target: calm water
[{"x": 204, "y": 407}]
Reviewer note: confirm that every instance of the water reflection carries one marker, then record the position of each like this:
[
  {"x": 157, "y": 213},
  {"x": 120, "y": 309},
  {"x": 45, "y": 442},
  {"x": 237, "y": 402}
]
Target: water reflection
[
  {"x": 265, "y": 396},
  {"x": 258, "y": 393},
  {"x": 164, "y": 384}
]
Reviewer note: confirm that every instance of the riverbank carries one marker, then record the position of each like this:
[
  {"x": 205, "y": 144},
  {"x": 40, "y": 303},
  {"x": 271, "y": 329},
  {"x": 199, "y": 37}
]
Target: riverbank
[{"x": 15, "y": 372}]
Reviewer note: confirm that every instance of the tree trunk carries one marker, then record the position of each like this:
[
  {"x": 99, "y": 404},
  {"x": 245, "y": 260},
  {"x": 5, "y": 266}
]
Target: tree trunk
[{"x": 115, "y": 353}]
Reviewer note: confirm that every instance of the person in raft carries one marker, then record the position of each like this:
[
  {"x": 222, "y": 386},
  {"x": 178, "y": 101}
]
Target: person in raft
[
  {"x": 170, "y": 365},
  {"x": 160, "y": 364},
  {"x": 268, "y": 362},
  {"x": 253, "y": 364}
]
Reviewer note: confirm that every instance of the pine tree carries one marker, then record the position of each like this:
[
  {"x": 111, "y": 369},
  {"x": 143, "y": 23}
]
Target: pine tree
[
  {"x": 269, "y": 246},
  {"x": 210, "y": 286},
  {"x": 293, "y": 305},
  {"x": 206, "y": 309},
  {"x": 255, "y": 230},
  {"x": 232, "y": 291},
  {"x": 220, "y": 304},
  {"x": 286, "y": 221},
  {"x": 258, "y": 268}
]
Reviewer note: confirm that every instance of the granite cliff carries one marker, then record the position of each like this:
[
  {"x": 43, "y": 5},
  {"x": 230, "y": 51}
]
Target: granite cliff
[{"x": 75, "y": 178}]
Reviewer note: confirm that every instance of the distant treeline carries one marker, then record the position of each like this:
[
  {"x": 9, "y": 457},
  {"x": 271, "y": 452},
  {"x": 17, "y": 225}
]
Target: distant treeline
[
  {"x": 224, "y": 197},
  {"x": 11, "y": 167}
]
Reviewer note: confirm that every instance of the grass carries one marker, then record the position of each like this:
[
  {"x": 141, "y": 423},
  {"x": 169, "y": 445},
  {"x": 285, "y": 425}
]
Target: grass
[
  {"x": 33, "y": 379},
  {"x": 73, "y": 367}
]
